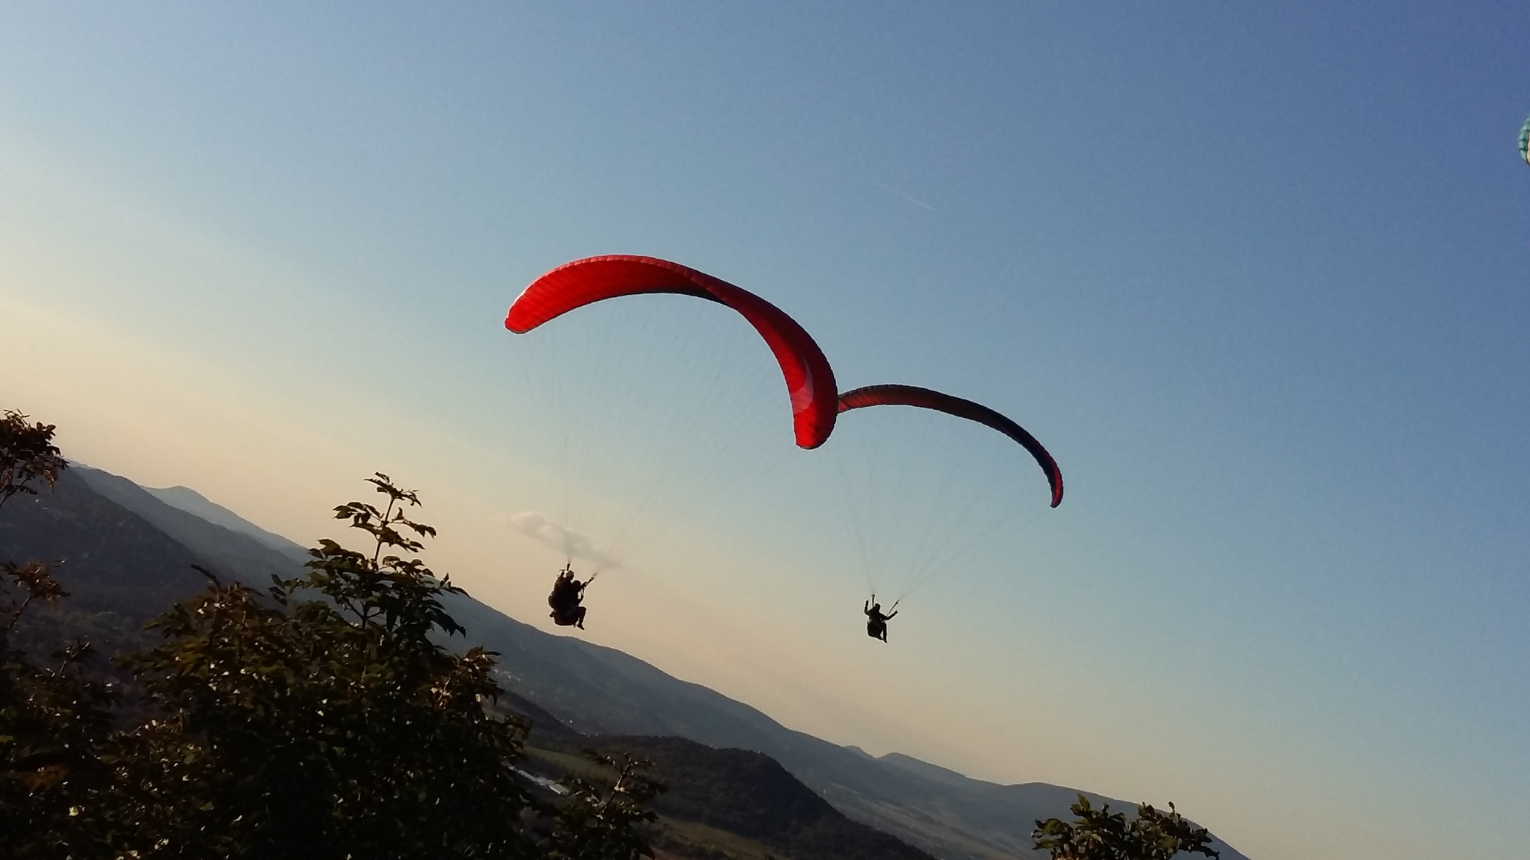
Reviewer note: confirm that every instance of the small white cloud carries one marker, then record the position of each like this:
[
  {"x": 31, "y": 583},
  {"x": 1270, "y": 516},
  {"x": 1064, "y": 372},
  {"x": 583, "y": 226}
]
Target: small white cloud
[{"x": 565, "y": 540}]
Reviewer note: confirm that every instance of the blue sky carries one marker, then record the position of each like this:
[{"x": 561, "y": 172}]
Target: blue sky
[{"x": 1256, "y": 276}]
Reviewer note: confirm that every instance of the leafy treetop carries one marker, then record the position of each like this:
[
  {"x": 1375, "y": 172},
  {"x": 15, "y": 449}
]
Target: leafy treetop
[
  {"x": 1099, "y": 834},
  {"x": 27, "y": 453}
]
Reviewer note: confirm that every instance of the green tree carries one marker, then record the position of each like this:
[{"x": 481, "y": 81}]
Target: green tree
[
  {"x": 601, "y": 819},
  {"x": 1099, "y": 834},
  {"x": 27, "y": 454},
  {"x": 54, "y": 719},
  {"x": 55, "y": 722},
  {"x": 317, "y": 718},
  {"x": 324, "y": 726}
]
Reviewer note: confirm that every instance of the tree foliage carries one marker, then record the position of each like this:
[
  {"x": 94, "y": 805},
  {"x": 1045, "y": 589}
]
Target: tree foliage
[
  {"x": 27, "y": 454},
  {"x": 1099, "y": 834},
  {"x": 319, "y": 717},
  {"x": 601, "y": 818},
  {"x": 54, "y": 718}
]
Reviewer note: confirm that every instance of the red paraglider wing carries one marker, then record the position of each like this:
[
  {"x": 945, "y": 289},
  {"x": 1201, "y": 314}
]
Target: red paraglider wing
[
  {"x": 809, "y": 379},
  {"x": 910, "y": 395}
]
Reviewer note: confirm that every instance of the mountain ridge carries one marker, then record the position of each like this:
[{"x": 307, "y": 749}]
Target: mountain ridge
[{"x": 196, "y": 504}]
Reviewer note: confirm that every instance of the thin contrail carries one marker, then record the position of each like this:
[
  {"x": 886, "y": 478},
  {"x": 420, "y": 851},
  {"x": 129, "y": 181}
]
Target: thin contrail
[{"x": 910, "y": 198}]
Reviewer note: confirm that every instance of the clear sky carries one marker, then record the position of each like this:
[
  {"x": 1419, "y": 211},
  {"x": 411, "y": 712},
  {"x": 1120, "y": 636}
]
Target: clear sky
[{"x": 1255, "y": 273}]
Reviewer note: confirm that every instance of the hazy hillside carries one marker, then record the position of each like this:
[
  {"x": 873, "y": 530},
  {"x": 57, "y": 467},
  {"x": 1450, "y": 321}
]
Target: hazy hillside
[
  {"x": 193, "y": 502},
  {"x": 752, "y": 795},
  {"x": 121, "y": 571},
  {"x": 231, "y": 552},
  {"x": 120, "y": 559},
  {"x": 598, "y": 690}
]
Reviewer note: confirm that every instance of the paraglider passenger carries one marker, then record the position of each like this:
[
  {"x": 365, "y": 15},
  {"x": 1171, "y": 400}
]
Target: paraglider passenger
[
  {"x": 876, "y": 622},
  {"x": 567, "y": 593}
]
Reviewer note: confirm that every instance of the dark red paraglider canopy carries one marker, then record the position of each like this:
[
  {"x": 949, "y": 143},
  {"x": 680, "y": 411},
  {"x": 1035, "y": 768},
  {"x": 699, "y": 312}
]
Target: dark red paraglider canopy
[
  {"x": 910, "y": 395},
  {"x": 809, "y": 380}
]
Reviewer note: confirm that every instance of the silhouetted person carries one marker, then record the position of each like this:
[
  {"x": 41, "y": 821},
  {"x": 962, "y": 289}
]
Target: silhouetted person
[
  {"x": 876, "y": 622},
  {"x": 567, "y": 593}
]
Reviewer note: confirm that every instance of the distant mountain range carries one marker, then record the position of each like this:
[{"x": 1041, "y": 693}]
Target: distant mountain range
[
  {"x": 126, "y": 553},
  {"x": 193, "y": 502}
]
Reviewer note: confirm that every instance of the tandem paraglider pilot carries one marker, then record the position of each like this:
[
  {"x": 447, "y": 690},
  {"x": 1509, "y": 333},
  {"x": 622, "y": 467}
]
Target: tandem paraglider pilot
[
  {"x": 567, "y": 594},
  {"x": 876, "y": 622}
]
